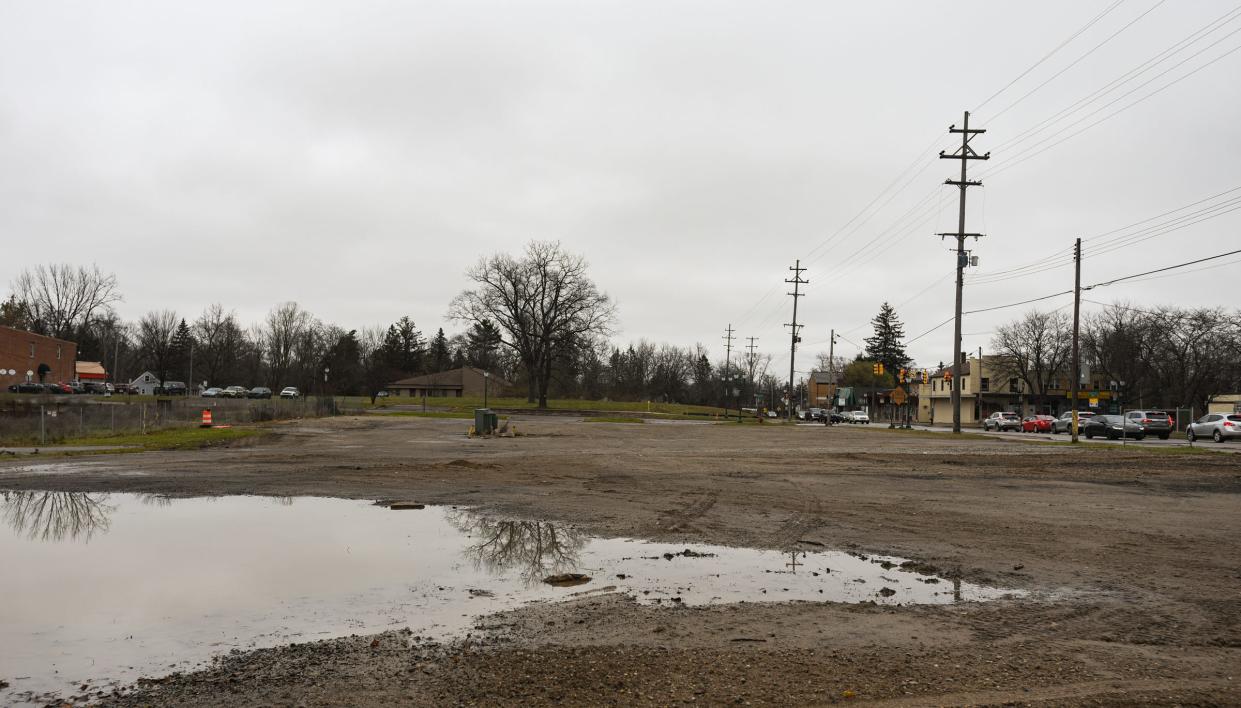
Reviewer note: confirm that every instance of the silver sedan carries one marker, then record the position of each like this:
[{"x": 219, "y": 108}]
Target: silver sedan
[{"x": 1217, "y": 426}]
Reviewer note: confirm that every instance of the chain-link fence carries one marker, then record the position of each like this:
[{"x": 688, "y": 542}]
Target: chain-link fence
[{"x": 45, "y": 420}]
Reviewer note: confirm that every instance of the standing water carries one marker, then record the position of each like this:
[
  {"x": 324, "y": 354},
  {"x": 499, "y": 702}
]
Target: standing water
[{"x": 99, "y": 589}]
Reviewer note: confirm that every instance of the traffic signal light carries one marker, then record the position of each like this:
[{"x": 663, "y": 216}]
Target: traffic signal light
[
  {"x": 926, "y": 376},
  {"x": 874, "y": 369},
  {"x": 947, "y": 376},
  {"x": 902, "y": 378}
]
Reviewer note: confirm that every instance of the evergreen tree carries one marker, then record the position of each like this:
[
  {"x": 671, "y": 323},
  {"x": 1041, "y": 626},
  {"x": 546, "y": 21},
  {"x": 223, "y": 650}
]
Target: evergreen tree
[
  {"x": 182, "y": 342},
  {"x": 887, "y": 345},
  {"x": 441, "y": 359},
  {"x": 404, "y": 348},
  {"x": 344, "y": 358},
  {"x": 483, "y": 340},
  {"x": 703, "y": 384},
  {"x": 14, "y": 313}
]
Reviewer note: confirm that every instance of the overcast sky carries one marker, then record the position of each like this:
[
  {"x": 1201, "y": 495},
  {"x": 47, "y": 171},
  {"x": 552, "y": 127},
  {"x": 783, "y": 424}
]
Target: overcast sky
[{"x": 358, "y": 157}]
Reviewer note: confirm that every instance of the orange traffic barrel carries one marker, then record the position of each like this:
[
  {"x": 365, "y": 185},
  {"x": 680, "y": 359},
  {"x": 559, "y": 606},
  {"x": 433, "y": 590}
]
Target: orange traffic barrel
[{"x": 206, "y": 418}]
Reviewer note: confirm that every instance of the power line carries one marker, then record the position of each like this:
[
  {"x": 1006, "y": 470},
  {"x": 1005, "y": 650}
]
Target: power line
[
  {"x": 1034, "y": 150},
  {"x": 1140, "y": 69},
  {"x": 1077, "y": 60},
  {"x": 1160, "y": 270},
  {"x": 1057, "y": 260},
  {"x": 1048, "y": 55}
]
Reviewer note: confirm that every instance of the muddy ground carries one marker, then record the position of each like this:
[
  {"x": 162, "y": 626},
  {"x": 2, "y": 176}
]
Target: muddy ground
[{"x": 1133, "y": 560}]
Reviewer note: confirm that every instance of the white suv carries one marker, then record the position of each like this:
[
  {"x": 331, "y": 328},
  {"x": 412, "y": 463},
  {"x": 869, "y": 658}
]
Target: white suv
[{"x": 290, "y": 392}]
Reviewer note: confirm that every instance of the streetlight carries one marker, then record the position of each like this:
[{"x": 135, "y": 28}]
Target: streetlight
[{"x": 486, "y": 379}]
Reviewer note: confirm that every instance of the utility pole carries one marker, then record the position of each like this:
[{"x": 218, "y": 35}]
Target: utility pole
[
  {"x": 831, "y": 366},
  {"x": 728, "y": 354},
  {"x": 965, "y": 154},
  {"x": 1077, "y": 307},
  {"x": 793, "y": 338},
  {"x": 751, "y": 361}
]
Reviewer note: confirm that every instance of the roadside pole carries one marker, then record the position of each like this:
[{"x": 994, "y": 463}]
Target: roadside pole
[{"x": 1077, "y": 308}]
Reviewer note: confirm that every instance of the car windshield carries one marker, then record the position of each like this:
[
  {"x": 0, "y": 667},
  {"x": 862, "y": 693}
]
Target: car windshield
[
  {"x": 1012, "y": 416},
  {"x": 1235, "y": 418}
]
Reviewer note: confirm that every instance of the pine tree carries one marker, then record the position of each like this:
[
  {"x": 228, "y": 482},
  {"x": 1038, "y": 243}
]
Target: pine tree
[
  {"x": 483, "y": 341},
  {"x": 403, "y": 348},
  {"x": 887, "y": 345},
  {"x": 441, "y": 358},
  {"x": 182, "y": 341}
]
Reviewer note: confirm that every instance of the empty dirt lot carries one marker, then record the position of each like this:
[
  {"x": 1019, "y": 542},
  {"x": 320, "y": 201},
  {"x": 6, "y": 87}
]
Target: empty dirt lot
[{"x": 1132, "y": 560}]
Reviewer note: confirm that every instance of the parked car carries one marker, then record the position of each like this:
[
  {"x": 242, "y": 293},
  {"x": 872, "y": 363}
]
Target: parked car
[
  {"x": 1064, "y": 424},
  {"x": 259, "y": 392},
  {"x": 857, "y": 417},
  {"x": 97, "y": 387},
  {"x": 235, "y": 392},
  {"x": 172, "y": 388},
  {"x": 127, "y": 389},
  {"x": 27, "y": 387},
  {"x": 1005, "y": 420},
  {"x": 213, "y": 392},
  {"x": 1153, "y": 422},
  {"x": 76, "y": 387},
  {"x": 815, "y": 414},
  {"x": 1037, "y": 424},
  {"x": 290, "y": 392},
  {"x": 837, "y": 417},
  {"x": 58, "y": 387},
  {"x": 1217, "y": 426},
  {"x": 1112, "y": 427},
  {"x": 381, "y": 394}
]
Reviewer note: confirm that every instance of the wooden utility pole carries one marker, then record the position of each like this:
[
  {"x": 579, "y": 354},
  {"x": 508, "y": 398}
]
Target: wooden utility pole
[
  {"x": 751, "y": 362},
  {"x": 965, "y": 154},
  {"x": 794, "y": 339},
  {"x": 831, "y": 369},
  {"x": 1075, "y": 389},
  {"x": 728, "y": 355}
]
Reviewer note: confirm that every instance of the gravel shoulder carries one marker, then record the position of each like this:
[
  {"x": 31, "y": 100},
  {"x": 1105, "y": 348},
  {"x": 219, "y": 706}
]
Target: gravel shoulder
[{"x": 1133, "y": 559}]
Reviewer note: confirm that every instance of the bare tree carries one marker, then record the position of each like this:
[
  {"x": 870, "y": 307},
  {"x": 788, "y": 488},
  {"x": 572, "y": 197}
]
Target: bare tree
[
  {"x": 1164, "y": 356},
  {"x": 536, "y": 549},
  {"x": 542, "y": 302},
  {"x": 156, "y": 349},
  {"x": 1035, "y": 349},
  {"x": 286, "y": 327},
  {"x": 55, "y": 516},
  {"x": 220, "y": 343},
  {"x": 61, "y": 300}
]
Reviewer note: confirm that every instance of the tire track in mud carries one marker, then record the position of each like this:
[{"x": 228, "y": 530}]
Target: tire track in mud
[
  {"x": 693, "y": 507},
  {"x": 803, "y": 521}
]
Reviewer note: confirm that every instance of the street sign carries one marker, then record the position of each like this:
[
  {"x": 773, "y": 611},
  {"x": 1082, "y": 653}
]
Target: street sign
[
  {"x": 898, "y": 396},
  {"x": 1094, "y": 403}
]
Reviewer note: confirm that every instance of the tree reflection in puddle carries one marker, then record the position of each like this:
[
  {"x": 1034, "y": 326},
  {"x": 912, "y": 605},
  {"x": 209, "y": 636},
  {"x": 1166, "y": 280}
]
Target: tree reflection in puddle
[
  {"x": 535, "y": 549},
  {"x": 56, "y": 516}
]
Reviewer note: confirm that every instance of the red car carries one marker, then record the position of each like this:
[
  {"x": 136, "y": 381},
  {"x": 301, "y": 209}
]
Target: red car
[{"x": 1037, "y": 424}]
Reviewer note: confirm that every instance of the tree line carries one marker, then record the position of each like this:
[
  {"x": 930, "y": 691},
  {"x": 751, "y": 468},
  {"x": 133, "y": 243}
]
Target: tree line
[{"x": 1155, "y": 357}]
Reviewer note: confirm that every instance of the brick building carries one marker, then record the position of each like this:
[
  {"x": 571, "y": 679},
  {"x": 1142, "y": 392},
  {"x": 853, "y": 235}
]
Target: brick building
[
  {"x": 47, "y": 359},
  {"x": 448, "y": 384}
]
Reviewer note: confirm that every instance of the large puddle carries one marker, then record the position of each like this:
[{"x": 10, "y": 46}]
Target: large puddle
[{"x": 98, "y": 589}]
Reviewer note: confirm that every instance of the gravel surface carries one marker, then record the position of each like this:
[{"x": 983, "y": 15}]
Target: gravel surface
[{"x": 1133, "y": 561}]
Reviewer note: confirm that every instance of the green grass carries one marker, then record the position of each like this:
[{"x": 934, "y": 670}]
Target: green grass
[
  {"x": 614, "y": 419},
  {"x": 172, "y": 438},
  {"x": 456, "y": 415}
]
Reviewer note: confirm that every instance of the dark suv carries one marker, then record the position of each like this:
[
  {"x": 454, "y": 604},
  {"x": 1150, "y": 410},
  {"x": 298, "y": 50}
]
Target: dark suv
[
  {"x": 171, "y": 388},
  {"x": 1152, "y": 422}
]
